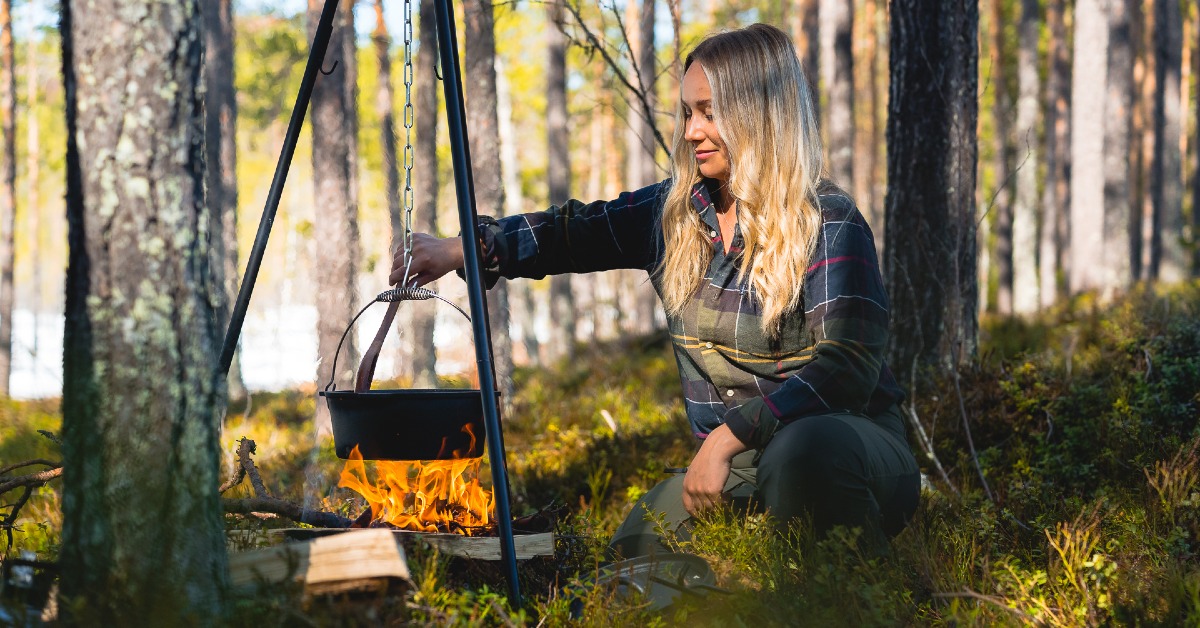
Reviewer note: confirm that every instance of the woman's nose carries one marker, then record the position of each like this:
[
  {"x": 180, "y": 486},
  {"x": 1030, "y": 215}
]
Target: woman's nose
[{"x": 691, "y": 131}]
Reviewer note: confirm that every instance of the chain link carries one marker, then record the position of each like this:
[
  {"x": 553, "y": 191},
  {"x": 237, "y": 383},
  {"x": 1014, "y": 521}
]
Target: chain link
[{"x": 408, "y": 145}]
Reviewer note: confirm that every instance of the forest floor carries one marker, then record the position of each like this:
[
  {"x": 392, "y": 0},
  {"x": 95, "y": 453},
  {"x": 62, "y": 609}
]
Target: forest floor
[{"x": 1073, "y": 500}]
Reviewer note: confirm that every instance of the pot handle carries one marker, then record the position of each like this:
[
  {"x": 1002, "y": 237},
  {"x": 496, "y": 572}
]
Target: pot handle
[
  {"x": 393, "y": 297},
  {"x": 366, "y": 368}
]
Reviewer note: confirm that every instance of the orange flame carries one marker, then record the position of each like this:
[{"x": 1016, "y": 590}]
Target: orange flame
[{"x": 429, "y": 496}]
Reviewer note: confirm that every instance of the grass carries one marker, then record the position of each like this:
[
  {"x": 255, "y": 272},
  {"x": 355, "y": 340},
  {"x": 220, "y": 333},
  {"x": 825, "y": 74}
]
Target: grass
[{"x": 1085, "y": 421}]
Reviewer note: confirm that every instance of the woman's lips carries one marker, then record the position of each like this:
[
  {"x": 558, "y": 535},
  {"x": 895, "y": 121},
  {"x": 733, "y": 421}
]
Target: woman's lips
[{"x": 705, "y": 154}]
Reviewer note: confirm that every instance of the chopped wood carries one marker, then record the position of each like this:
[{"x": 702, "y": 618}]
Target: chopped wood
[
  {"x": 355, "y": 559},
  {"x": 526, "y": 546}
]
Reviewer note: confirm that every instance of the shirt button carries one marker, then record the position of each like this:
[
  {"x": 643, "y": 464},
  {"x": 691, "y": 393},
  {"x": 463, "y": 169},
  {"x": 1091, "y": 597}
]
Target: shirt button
[
  {"x": 729, "y": 393},
  {"x": 712, "y": 233},
  {"x": 708, "y": 345}
]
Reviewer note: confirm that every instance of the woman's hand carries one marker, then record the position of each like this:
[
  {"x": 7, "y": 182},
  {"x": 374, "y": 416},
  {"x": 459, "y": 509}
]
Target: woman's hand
[
  {"x": 432, "y": 257},
  {"x": 705, "y": 480}
]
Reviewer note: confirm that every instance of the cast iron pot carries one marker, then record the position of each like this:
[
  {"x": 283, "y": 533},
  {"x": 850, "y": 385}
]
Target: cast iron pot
[{"x": 409, "y": 424}]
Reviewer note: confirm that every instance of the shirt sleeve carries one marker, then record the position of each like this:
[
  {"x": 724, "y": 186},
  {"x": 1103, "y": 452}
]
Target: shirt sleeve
[
  {"x": 846, "y": 312},
  {"x": 575, "y": 237}
]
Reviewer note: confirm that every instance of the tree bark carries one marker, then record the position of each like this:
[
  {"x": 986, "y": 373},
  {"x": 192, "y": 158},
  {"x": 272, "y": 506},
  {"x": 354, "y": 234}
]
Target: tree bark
[
  {"x": 8, "y": 190},
  {"x": 381, "y": 40},
  {"x": 1088, "y": 89},
  {"x": 808, "y": 43},
  {"x": 558, "y": 174},
  {"x": 1025, "y": 242},
  {"x": 646, "y": 297},
  {"x": 141, "y": 340},
  {"x": 33, "y": 160},
  {"x": 220, "y": 129},
  {"x": 1119, "y": 208},
  {"x": 1196, "y": 165},
  {"x": 837, "y": 76},
  {"x": 1056, "y": 192},
  {"x": 1001, "y": 199},
  {"x": 483, "y": 122},
  {"x": 334, "y": 158},
  {"x": 932, "y": 112},
  {"x": 425, "y": 184},
  {"x": 1168, "y": 260}
]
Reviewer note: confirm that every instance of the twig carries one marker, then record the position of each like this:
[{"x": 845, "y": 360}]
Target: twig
[
  {"x": 29, "y": 463},
  {"x": 33, "y": 480},
  {"x": 927, "y": 445},
  {"x": 962, "y": 408},
  {"x": 284, "y": 508},
  {"x": 52, "y": 436},
  {"x": 11, "y": 519},
  {"x": 990, "y": 599},
  {"x": 594, "y": 44},
  {"x": 245, "y": 448}
]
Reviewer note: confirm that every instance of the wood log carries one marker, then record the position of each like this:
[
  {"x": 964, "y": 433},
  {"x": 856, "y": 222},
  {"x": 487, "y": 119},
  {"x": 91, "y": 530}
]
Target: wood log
[
  {"x": 327, "y": 564},
  {"x": 527, "y": 546}
]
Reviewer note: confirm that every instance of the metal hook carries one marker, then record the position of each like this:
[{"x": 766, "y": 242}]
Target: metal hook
[
  {"x": 437, "y": 71},
  {"x": 335, "y": 65}
]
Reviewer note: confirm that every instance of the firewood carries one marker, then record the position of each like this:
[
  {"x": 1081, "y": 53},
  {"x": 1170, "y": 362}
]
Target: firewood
[{"x": 356, "y": 559}]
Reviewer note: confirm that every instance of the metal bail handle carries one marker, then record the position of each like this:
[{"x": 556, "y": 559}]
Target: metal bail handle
[{"x": 366, "y": 368}]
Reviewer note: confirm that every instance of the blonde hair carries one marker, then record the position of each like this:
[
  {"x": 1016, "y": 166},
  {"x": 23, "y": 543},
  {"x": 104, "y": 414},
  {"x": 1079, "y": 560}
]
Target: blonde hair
[{"x": 764, "y": 112}]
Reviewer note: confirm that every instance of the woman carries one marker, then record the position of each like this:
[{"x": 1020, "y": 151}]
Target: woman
[{"x": 773, "y": 297}]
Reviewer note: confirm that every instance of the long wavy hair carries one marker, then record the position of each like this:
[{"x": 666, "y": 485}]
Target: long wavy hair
[{"x": 763, "y": 110}]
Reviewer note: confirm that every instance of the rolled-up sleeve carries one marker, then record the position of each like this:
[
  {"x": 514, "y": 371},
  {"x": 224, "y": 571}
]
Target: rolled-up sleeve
[{"x": 846, "y": 313}]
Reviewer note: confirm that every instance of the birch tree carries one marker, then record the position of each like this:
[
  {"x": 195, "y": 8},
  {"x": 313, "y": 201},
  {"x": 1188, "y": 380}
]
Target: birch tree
[{"x": 1025, "y": 242}]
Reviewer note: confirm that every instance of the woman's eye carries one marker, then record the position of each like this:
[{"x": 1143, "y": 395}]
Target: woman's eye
[{"x": 710, "y": 117}]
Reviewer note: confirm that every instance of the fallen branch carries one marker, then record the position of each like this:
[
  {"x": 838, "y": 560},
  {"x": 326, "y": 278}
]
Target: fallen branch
[
  {"x": 29, "y": 463},
  {"x": 927, "y": 444},
  {"x": 284, "y": 508},
  {"x": 263, "y": 501},
  {"x": 990, "y": 599}
]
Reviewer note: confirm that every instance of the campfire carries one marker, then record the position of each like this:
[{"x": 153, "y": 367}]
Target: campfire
[{"x": 443, "y": 496}]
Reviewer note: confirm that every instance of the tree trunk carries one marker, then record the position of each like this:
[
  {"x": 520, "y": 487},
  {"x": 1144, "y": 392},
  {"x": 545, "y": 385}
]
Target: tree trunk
[
  {"x": 808, "y": 43},
  {"x": 1025, "y": 242},
  {"x": 1088, "y": 89},
  {"x": 647, "y": 298},
  {"x": 8, "y": 190},
  {"x": 1119, "y": 212},
  {"x": 33, "y": 154},
  {"x": 483, "y": 122},
  {"x": 143, "y": 539},
  {"x": 558, "y": 175},
  {"x": 1001, "y": 200},
  {"x": 393, "y": 186},
  {"x": 425, "y": 185},
  {"x": 522, "y": 297},
  {"x": 1056, "y": 193},
  {"x": 837, "y": 76},
  {"x": 1141, "y": 146},
  {"x": 866, "y": 157},
  {"x": 1196, "y": 166},
  {"x": 932, "y": 112},
  {"x": 334, "y": 157},
  {"x": 220, "y": 133},
  {"x": 1168, "y": 260}
]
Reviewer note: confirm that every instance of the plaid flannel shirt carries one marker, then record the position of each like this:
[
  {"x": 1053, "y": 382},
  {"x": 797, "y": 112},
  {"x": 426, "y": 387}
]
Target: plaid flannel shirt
[{"x": 828, "y": 358}]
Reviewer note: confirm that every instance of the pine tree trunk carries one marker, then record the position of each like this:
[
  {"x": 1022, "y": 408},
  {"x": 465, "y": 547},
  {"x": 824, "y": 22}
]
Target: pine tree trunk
[
  {"x": 220, "y": 129},
  {"x": 483, "y": 123},
  {"x": 647, "y": 298},
  {"x": 33, "y": 153},
  {"x": 1196, "y": 165},
  {"x": 1025, "y": 243},
  {"x": 1141, "y": 146},
  {"x": 558, "y": 175},
  {"x": 1001, "y": 199},
  {"x": 1088, "y": 90},
  {"x": 1055, "y": 193},
  {"x": 1168, "y": 260},
  {"x": 932, "y": 112},
  {"x": 808, "y": 44},
  {"x": 425, "y": 185},
  {"x": 385, "y": 104},
  {"x": 8, "y": 190},
  {"x": 334, "y": 159},
  {"x": 837, "y": 76},
  {"x": 143, "y": 539},
  {"x": 1119, "y": 213}
]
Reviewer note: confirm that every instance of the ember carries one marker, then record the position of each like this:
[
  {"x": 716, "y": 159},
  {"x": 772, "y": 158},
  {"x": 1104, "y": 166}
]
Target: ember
[{"x": 431, "y": 496}]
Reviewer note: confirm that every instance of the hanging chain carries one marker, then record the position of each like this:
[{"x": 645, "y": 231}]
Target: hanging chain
[{"x": 408, "y": 145}]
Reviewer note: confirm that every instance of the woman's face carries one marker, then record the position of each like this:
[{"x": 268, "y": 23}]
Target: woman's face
[{"x": 699, "y": 127}]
